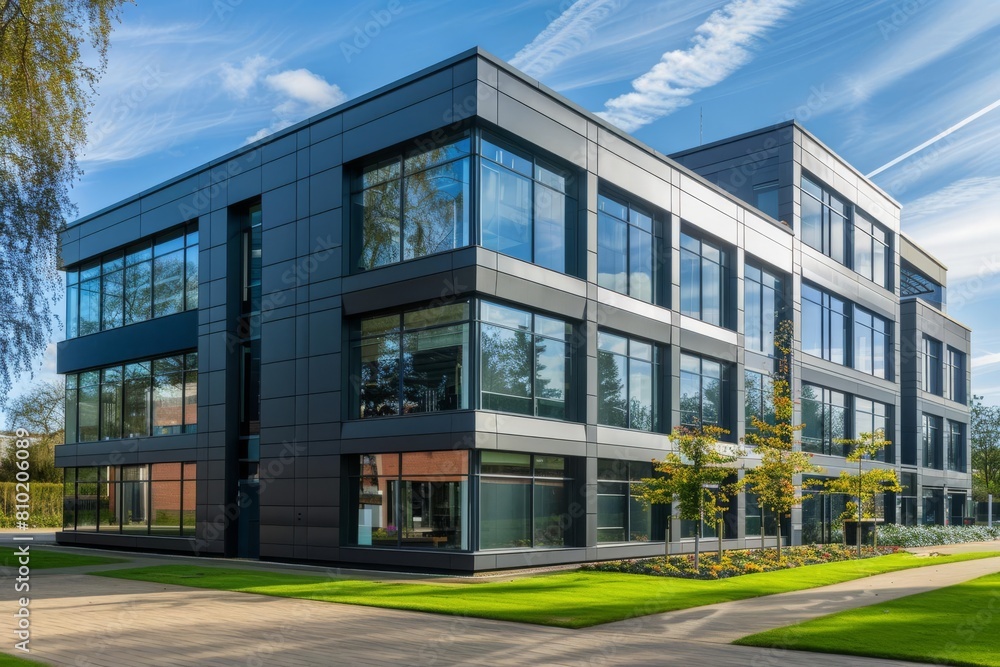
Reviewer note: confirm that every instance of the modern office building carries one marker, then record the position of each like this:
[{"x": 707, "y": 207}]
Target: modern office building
[{"x": 446, "y": 324}]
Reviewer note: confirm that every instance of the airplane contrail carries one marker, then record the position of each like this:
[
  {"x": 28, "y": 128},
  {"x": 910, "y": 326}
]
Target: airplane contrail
[{"x": 957, "y": 126}]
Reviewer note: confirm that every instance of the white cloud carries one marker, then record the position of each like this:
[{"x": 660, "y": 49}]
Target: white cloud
[
  {"x": 957, "y": 224},
  {"x": 958, "y": 195},
  {"x": 303, "y": 86},
  {"x": 568, "y": 35},
  {"x": 304, "y": 94},
  {"x": 720, "y": 47},
  {"x": 239, "y": 80}
]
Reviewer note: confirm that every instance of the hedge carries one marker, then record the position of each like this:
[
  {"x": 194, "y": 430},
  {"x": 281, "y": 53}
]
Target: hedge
[
  {"x": 45, "y": 506},
  {"x": 929, "y": 536}
]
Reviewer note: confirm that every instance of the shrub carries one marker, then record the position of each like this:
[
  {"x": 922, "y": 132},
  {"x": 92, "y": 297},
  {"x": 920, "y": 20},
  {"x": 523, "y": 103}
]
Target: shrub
[
  {"x": 738, "y": 561},
  {"x": 928, "y": 536},
  {"x": 46, "y": 505}
]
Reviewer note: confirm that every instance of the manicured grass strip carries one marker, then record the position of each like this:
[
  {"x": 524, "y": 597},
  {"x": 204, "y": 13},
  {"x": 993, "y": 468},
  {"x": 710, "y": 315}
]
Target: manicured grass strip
[
  {"x": 7, "y": 660},
  {"x": 44, "y": 560},
  {"x": 566, "y": 599},
  {"x": 957, "y": 625}
]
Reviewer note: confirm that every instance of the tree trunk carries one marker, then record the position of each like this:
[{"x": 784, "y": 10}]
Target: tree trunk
[
  {"x": 718, "y": 529},
  {"x": 697, "y": 548}
]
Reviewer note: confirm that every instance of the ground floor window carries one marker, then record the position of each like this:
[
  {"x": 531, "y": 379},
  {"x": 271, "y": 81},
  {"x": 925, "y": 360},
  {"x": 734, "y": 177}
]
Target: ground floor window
[
  {"x": 524, "y": 501},
  {"x": 709, "y": 526},
  {"x": 821, "y": 516},
  {"x": 156, "y": 499},
  {"x": 620, "y": 517},
  {"x": 761, "y": 522},
  {"x": 933, "y": 507},
  {"x": 410, "y": 500}
]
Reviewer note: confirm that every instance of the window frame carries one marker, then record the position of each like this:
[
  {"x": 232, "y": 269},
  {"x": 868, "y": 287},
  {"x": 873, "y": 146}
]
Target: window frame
[
  {"x": 187, "y": 370},
  {"x": 723, "y": 407},
  {"x": 631, "y": 355},
  {"x": 106, "y": 266},
  {"x": 704, "y": 283},
  {"x": 636, "y": 214},
  {"x": 827, "y": 228},
  {"x": 768, "y": 281}
]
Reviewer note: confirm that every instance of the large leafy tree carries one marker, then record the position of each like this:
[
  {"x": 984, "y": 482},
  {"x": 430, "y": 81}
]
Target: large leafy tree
[
  {"x": 694, "y": 476},
  {"x": 772, "y": 480},
  {"x": 46, "y": 88},
  {"x": 985, "y": 441},
  {"x": 41, "y": 412}
]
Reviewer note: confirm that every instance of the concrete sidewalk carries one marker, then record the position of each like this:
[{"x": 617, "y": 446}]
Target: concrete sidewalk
[{"x": 83, "y": 620}]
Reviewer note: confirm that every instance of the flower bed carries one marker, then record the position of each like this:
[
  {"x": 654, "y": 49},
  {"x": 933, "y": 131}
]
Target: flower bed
[
  {"x": 929, "y": 536},
  {"x": 737, "y": 562}
]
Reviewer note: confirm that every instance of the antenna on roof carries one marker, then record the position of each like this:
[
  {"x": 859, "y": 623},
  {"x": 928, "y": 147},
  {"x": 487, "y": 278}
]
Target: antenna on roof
[{"x": 701, "y": 124}]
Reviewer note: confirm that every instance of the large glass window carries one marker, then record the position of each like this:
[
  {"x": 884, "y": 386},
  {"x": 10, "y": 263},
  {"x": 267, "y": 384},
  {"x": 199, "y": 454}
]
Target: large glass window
[
  {"x": 825, "y": 219},
  {"x": 824, "y": 325},
  {"x": 709, "y": 526},
  {"x": 111, "y": 403},
  {"x": 413, "y": 362},
  {"x": 758, "y": 399},
  {"x": 414, "y": 205},
  {"x": 524, "y": 501},
  {"x": 620, "y": 517},
  {"x": 157, "y": 499},
  {"x": 703, "y": 391},
  {"x": 871, "y": 343},
  {"x": 931, "y": 379},
  {"x": 524, "y": 362},
  {"x": 625, "y": 248},
  {"x": 703, "y": 280},
  {"x": 872, "y": 416},
  {"x": 931, "y": 431},
  {"x": 824, "y": 415},
  {"x": 954, "y": 375},
  {"x": 763, "y": 304},
  {"x": 155, "y": 397},
  {"x": 149, "y": 279},
  {"x": 625, "y": 382},
  {"x": 89, "y": 420},
  {"x": 760, "y": 522},
  {"x": 414, "y": 500},
  {"x": 168, "y": 395},
  {"x": 526, "y": 207},
  {"x": 956, "y": 446},
  {"x": 871, "y": 250}
]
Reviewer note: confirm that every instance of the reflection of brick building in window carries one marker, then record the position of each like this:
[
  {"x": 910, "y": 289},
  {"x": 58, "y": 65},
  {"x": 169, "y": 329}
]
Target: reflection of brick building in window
[{"x": 415, "y": 496}]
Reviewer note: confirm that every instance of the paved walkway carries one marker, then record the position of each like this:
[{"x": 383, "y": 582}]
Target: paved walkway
[{"x": 85, "y": 621}]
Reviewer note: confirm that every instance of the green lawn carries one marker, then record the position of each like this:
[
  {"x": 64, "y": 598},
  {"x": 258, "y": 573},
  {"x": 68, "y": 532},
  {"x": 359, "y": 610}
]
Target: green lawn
[
  {"x": 44, "y": 560},
  {"x": 958, "y": 625},
  {"x": 7, "y": 660},
  {"x": 567, "y": 599}
]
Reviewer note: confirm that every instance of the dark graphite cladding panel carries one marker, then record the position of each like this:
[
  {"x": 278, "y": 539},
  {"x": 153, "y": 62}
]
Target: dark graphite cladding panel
[{"x": 448, "y": 324}]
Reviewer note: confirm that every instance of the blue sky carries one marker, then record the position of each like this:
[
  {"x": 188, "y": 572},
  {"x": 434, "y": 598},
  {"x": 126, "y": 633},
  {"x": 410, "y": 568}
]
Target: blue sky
[{"x": 190, "y": 80}]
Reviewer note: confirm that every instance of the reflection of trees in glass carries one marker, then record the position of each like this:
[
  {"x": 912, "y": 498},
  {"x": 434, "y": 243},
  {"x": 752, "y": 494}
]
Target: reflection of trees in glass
[
  {"x": 436, "y": 209},
  {"x": 380, "y": 221},
  {"x": 506, "y": 369},
  {"x": 414, "y": 207},
  {"x": 138, "y": 291},
  {"x": 522, "y": 372},
  {"x": 380, "y": 368},
  {"x": 168, "y": 290},
  {"x": 612, "y": 406}
]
